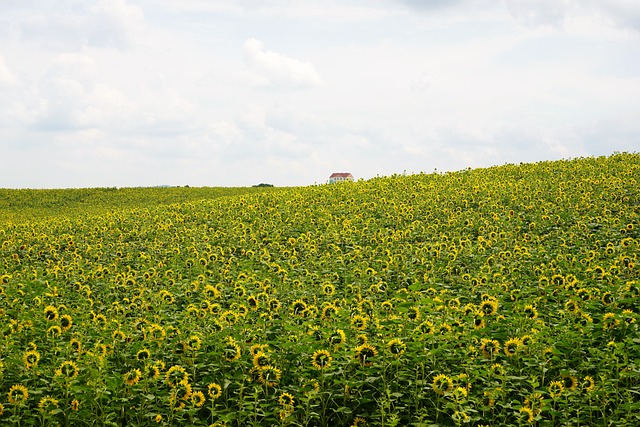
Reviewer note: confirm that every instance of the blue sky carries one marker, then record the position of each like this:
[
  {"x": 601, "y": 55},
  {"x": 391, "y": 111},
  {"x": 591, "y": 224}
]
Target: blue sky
[{"x": 226, "y": 93}]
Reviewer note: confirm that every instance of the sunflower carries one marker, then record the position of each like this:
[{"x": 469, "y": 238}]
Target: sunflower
[
  {"x": 194, "y": 343},
  {"x": 132, "y": 377},
  {"x": 358, "y": 422},
  {"x": 535, "y": 402},
  {"x": 511, "y": 346},
  {"x": 274, "y": 304},
  {"x": 143, "y": 355},
  {"x": 68, "y": 369},
  {"x": 359, "y": 322},
  {"x": 628, "y": 316},
  {"x": 253, "y": 302},
  {"x": 76, "y": 345},
  {"x": 396, "y": 347},
  {"x": 572, "y": 306},
  {"x": 261, "y": 359},
  {"x": 232, "y": 350},
  {"x": 530, "y": 311},
  {"x": 526, "y": 415},
  {"x": 489, "y": 348},
  {"x": 338, "y": 338},
  {"x": 365, "y": 353},
  {"x": 414, "y": 313},
  {"x": 50, "y": 313},
  {"x": 497, "y": 369},
  {"x": 286, "y": 399},
  {"x": 66, "y": 322},
  {"x": 489, "y": 306},
  {"x": 176, "y": 375},
  {"x": 588, "y": 384},
  {"x": 18, "y": 394},
  {"x": 460, "y": 417},
  {"x": 442, "y": 384},
  {"x": 328, "y": 289},
  {"x": 269, "y": 376},
  {"x": 321, "y": 359},
  {"x": 75, "y": 405},
  {"x": 156, "y": 332},
  {"x": 569, "y": 382},
  {"x": 609, "y": 321},
  {"x": 48, "y": 405},
  {"x": 556, "y": 389},
  {"x": 54, "y": 331},
  {"x": 459, "y": 394},
  {"x": 257, "y": 348},
  {"x": 151, "y": 372},
  {"x": 526, "y": 340},
  {"x": 299, "y": 307},
  {"x": 328, "y": 311},
  {"x": 426, "y": 328},
  {"x": 361, "y": 339},
  {"x": 478, "y": 320},
  {"x": 198, "y": 399},
  {"x": 386, "y": 306},
  {"x": 31, "y": 359},
  {"x": 214, "y": 390}
]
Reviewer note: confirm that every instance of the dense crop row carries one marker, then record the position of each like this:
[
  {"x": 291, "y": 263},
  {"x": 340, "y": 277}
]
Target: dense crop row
[
  {"x": 20, "y": 205},
  {"x": 500, "y": 296}
]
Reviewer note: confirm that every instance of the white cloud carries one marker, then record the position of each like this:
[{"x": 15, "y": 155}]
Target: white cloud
[
  {"x": 536, "y": 13},
  {"x": 70, "y": 25},
  {"x": 278, "y": 69},
  {"x": 6, "y": 77}
]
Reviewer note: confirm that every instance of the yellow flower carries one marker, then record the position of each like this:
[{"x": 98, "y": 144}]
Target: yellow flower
[
  {"x": 143, "y": 354},
  {"x": 132, "y": 377},
  {"x": 214, "y": 390},
  {"x": 176, "y": 375},
  {"x": 232, "y": 350},
  {"x": 321, "y": 359},
  {"x": 66, "y": 322},
  {"x": 396, "y": 346},
  {"x": 198, "y": 399},
  {"x": 337, "y": 338},
  {"x": 442, "y": 384},
  {"x": 31, "y": 359},
  {"x": 47, "y": 405},
  {"x": 260, "y": 360},
  {"x": 365, "y": 354},
  {"x": 359, "y": 322},
  {"x": 18, "y": 394},
  {"x": 269, "y": 376},
  {"x": 526, "y": 415},
  {"x": 489, "y": 306},
  {"x": 511, "y": 346},
  {"x": 50, "y": 313},
  {"x": 286, "y": 399},
  {"x": 68, "y": 369},
  {"x": 489, "y": 348},
  {"x": 569, "y": 382},
  {"x": 588, "y": 384},
  {"x": 75, "y": 405},
  {"x": 556, "y": 389}
]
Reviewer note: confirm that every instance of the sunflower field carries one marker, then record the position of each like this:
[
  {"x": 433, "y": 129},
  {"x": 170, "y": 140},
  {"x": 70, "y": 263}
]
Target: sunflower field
[{"x": 503, "y": 296}]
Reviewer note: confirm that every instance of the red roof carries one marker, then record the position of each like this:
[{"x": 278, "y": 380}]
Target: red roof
[{"x": 341, "y": 175}]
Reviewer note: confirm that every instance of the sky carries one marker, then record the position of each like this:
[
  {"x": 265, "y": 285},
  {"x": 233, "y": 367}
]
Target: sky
[{"x": 129, "y": 93}]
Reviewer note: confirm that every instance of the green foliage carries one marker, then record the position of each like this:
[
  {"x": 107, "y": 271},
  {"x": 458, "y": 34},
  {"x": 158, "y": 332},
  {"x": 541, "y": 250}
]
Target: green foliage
[
  {"x": 502, "y": 296},
  {"x": 28, "y": 204}
]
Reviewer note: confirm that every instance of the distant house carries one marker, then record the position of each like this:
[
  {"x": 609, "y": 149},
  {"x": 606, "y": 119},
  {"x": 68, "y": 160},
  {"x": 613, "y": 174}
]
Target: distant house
[{"x": 340, "y": 177}]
